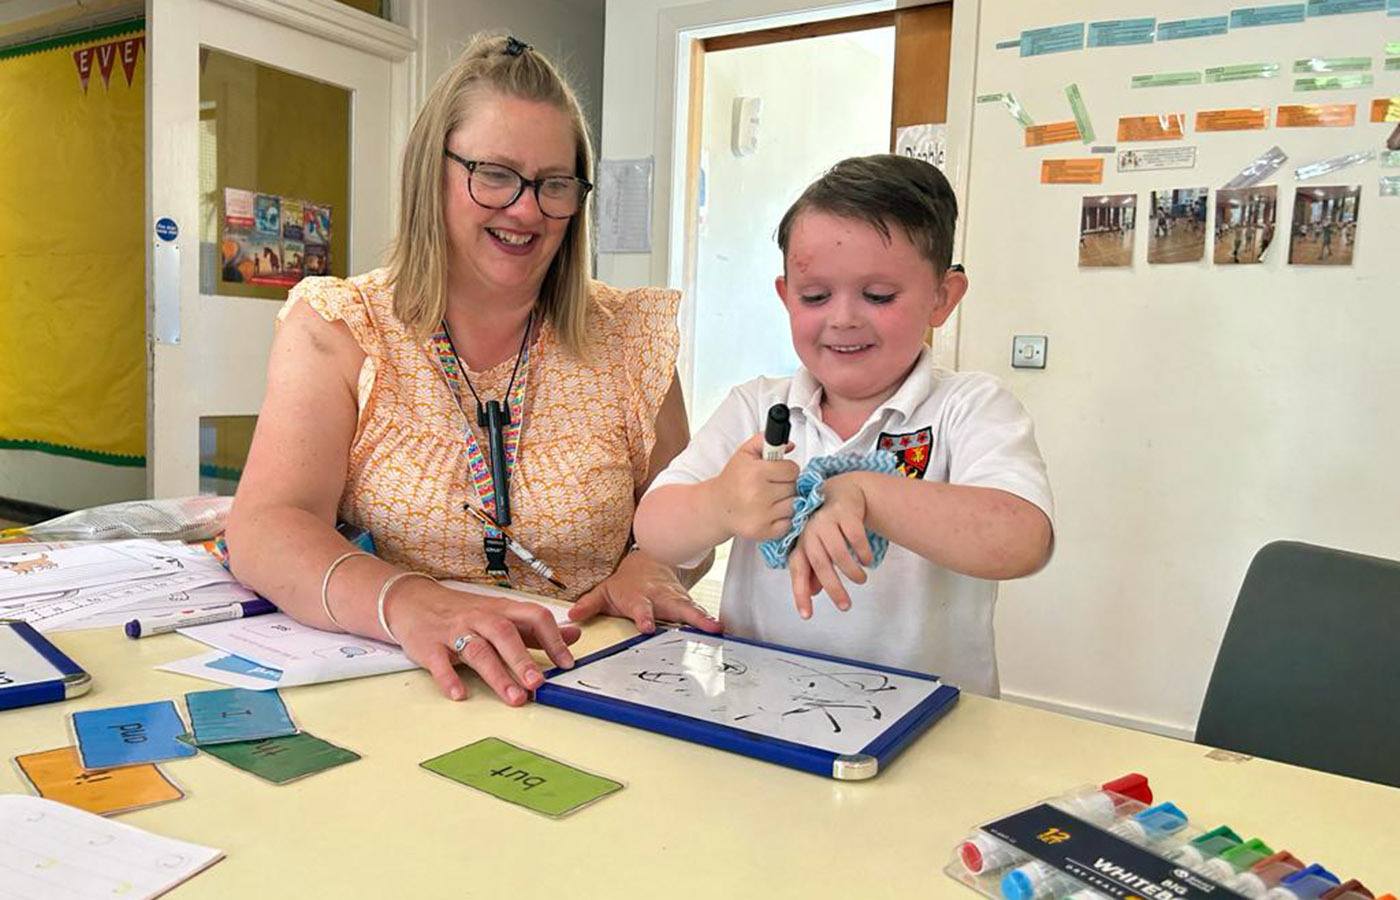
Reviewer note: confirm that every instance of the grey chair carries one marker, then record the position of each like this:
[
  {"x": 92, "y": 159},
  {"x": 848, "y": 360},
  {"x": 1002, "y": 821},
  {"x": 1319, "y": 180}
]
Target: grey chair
[{"x": 1309, "y": 671}]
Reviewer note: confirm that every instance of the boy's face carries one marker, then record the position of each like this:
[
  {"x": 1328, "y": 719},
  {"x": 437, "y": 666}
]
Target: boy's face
[{"x": 858, "y": 305}]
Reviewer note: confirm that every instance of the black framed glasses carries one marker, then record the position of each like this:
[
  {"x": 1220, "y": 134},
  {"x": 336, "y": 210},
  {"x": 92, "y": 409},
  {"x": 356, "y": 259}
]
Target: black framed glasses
[{"x": 495, "y": 186}]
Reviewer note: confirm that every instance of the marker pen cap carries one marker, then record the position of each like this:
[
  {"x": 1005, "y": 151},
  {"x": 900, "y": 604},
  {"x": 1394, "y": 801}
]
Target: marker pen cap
[
  {"x": 1236, "y": 859},
  {"x": 982, "y": 853},
  {"x": 1304, "y": 884},
  {"x": 1207, "y": 846},
  {"x": 777, "y": 428},
  {"x": 1351, "y": 889},
  {"x": 1265, "y": 874},
  {"x": 1162, "y": 820},
  {"x": 1034, "y": 881},
  {"x": 1133, "y": 785}
]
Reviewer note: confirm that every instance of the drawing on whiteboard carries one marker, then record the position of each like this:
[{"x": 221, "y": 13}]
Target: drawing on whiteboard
[{"x": 764, "y": 690}]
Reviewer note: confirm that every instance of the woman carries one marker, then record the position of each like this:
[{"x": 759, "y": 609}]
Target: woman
[{"x": 481, "y": 377}]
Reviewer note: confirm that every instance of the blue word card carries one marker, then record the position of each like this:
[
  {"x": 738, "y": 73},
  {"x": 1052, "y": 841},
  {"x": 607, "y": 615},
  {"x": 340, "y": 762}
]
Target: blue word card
[
  {"x": 130, "y": 735},
  {"x": 236, "y": 714}
]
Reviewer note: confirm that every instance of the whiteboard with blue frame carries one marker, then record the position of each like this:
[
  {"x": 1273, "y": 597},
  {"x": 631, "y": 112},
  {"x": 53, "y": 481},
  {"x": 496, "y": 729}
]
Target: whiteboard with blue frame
[{"x": 822, "y": 714}]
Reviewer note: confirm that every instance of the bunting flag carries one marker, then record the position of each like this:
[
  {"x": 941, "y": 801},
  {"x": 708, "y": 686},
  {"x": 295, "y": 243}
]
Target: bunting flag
[{"x": 106, "y": 56}]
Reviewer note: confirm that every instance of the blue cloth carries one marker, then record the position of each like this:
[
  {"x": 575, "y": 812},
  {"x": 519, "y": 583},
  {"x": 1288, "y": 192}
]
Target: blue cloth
[{"x": 810, "y": 499}]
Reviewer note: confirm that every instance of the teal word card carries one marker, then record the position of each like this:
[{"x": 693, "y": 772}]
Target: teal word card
[{"x": 236, "y": 714}]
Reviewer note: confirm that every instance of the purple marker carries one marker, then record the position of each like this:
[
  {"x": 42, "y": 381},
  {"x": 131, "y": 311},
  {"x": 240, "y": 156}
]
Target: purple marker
[{"x": 149, "y": 625}]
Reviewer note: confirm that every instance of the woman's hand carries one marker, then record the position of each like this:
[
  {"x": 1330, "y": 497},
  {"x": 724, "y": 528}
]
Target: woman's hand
[
  {"x": 427, "y": 621},
  {"x": 643, "y": 590},
  {"x": 832, "y": 541}
]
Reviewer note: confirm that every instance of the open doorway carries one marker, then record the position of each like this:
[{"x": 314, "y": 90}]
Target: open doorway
[{"x": 770, "y": 110}]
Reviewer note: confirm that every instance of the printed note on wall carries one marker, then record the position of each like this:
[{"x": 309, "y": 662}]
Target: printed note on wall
[
  {"x": 1051, "y": 133},
  {"x": 1317, "y": 115},
  {"x": 1244, "y": 119},
  {"x": 1087, "y": 170},
  {"x": 1166, "y": 127}
]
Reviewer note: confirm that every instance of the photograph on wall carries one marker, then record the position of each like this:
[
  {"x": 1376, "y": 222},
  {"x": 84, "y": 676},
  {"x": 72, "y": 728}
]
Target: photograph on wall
[
  {"x": 1106, "y": 226},
  {"x": 1324, "y": 226},
  {"x": 1178, "y": 232},
  {"x": 1245, "y": 219}
]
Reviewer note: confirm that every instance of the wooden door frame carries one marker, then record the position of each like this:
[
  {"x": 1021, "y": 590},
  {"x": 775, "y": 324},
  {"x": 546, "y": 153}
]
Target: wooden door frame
[{"x": 944, "y": 343}]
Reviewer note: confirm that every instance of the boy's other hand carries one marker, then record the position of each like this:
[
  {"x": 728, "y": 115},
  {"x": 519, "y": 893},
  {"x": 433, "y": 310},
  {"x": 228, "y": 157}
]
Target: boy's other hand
[
  {"x": 832, "y": 544},
  {"x": 756, "y": 495}
]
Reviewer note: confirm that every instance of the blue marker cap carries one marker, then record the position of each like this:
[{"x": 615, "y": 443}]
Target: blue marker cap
[
  {"x": 1015, "y": 885},
  {"x": 133, "y": 629},
  {"x": 1313, "y": 881},
  {"x": 1162, "y": 819}
]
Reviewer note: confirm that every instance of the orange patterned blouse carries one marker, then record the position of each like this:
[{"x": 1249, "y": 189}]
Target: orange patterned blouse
[{"x": 584, "y": 447}]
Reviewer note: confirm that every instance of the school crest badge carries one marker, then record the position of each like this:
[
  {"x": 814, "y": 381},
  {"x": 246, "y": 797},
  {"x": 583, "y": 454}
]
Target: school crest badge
[{"x": 911, "y": 450}]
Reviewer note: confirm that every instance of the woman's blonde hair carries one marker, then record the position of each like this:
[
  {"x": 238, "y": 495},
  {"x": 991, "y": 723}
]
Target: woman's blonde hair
[{"x": 418, "y": 260}]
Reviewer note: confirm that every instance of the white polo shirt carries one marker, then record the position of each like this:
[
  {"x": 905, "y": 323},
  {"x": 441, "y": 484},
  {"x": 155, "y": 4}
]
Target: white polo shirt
[{"x": 956, "y": 427}]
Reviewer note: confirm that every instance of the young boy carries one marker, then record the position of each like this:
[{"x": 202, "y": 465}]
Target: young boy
[{"x": 866, "y": 270}]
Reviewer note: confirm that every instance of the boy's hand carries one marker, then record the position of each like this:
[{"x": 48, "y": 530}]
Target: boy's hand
[
  {"x": 755, "y": 495},
  {"x": 833, "y": 540}
]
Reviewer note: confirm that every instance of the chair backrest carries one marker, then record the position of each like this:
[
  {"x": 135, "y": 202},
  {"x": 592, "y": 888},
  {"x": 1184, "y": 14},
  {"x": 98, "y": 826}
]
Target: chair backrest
[{"x": 1309, "y": 671}]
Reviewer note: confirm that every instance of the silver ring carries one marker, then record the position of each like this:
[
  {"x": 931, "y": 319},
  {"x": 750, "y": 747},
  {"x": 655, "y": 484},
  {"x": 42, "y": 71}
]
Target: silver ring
[{"x": 462, "y": 641}]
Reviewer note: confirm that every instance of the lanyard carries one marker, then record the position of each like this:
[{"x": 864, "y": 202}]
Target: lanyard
[{"x": 493, "y": 542}]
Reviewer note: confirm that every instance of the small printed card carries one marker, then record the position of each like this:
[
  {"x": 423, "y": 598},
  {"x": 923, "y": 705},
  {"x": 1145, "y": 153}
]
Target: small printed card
[
  {"x": 521, "y": 777},
  {"x": 283, "y": 759},
  {"x": 57, "y": 775},
  {"x": 228, "y": 715},
  {"x": 130, "y": 735}
]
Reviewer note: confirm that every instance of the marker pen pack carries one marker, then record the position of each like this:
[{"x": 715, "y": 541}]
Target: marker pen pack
[{"x": 1111, "y": 840}]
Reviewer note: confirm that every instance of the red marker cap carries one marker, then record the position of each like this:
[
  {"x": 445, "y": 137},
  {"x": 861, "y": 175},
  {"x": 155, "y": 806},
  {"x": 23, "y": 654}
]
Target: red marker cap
[{"x": 1133, "y": 786}]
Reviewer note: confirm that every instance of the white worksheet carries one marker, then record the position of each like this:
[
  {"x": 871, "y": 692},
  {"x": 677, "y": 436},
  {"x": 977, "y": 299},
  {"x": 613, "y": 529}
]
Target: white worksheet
[{"x": 55, "y": 851}]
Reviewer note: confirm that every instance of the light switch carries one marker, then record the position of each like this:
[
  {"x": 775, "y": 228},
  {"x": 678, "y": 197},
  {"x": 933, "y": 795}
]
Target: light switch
[{"x": 1028, "y": 351}]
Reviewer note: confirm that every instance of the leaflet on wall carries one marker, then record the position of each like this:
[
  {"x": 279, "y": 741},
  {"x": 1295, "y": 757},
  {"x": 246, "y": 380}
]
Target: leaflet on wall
[
  {"x": 1155, "y": 158},
  {"x": 928, "y": 142},
  {"x": 624, "y": 205}
]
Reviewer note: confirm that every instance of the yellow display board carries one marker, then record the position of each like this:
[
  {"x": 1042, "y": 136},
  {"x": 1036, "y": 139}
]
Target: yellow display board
[{"x": 72, "y": 258}]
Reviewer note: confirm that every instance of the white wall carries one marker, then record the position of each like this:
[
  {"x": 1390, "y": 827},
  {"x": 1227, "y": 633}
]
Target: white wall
[
  {"x": 1189, "y": 413},
  {"x": 740, "y": 327},
  {"x": 570, "y": 32}
]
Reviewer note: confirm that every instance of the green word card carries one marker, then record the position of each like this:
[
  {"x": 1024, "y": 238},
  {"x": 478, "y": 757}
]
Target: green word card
[
  {"x": 282, "y": 759},
  {"x": 518, "y": 776}
]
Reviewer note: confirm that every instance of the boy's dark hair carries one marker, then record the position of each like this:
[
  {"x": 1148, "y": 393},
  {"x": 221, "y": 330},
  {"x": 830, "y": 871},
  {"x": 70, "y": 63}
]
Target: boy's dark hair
[{"x": 884, "y": 189}]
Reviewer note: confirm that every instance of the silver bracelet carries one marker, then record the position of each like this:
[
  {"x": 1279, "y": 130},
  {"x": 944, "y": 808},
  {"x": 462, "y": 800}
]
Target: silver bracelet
[
  {"x": 384, "y": 595},
  {"x": 326, "y": 585}
]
